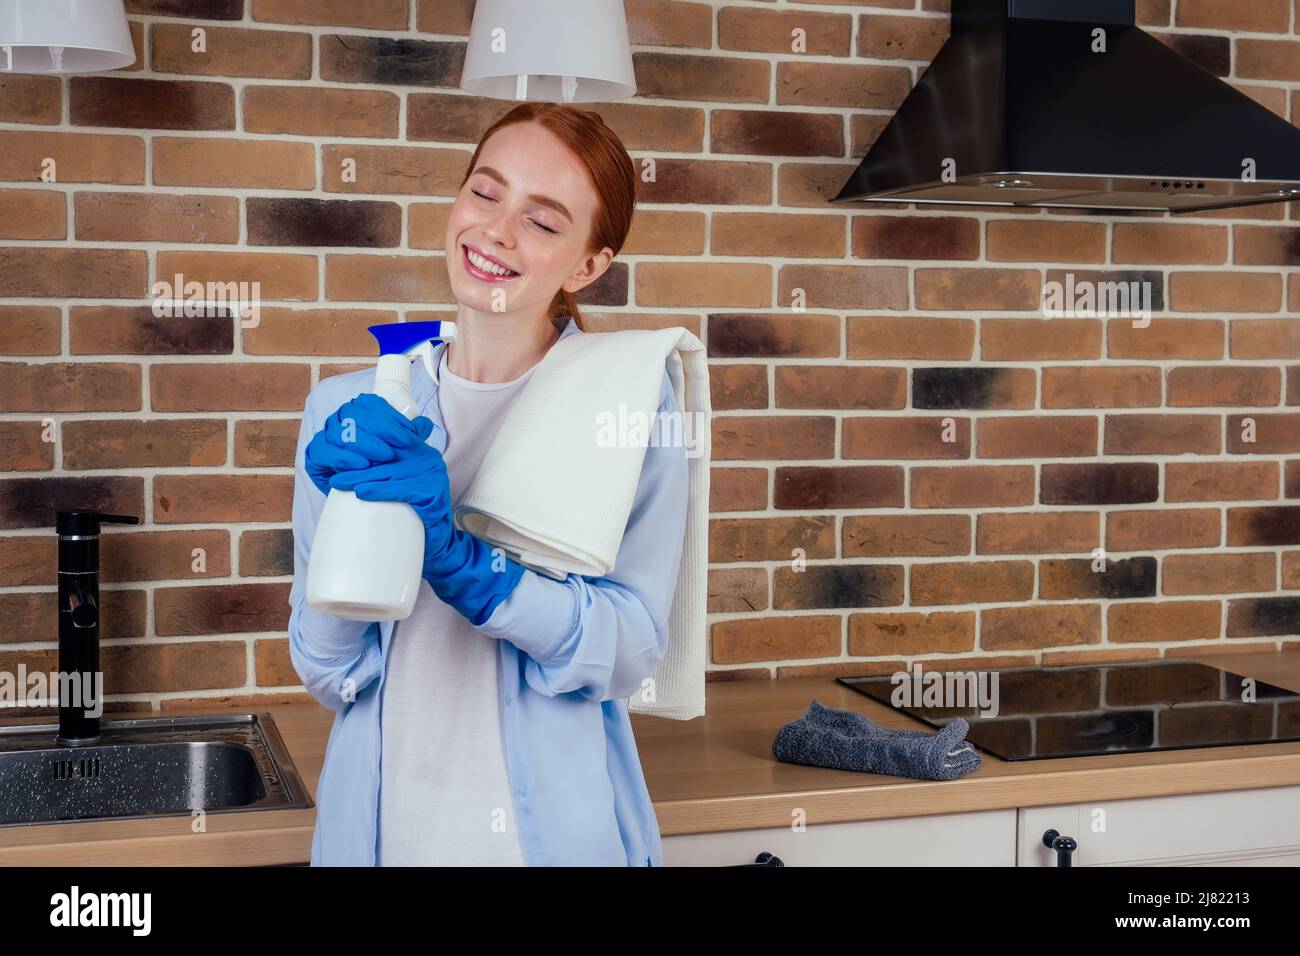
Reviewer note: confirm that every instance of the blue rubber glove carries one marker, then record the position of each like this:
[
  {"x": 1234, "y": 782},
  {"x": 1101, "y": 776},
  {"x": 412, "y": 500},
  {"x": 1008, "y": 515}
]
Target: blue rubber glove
[
  {"x": 462, "y": 569},
  {"x": 377, "y": 433}
]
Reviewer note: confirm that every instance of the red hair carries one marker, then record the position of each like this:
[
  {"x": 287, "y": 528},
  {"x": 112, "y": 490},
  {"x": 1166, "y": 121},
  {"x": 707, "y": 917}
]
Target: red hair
[{"x": 609, "y": 169}]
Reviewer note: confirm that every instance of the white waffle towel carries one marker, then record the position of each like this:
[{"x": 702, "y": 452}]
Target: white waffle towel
[{"x": 552, "y": 494}]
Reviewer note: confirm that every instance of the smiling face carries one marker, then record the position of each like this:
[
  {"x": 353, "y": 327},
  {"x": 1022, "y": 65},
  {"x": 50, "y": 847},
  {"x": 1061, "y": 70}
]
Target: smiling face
[{"x": 519, "y": 227}]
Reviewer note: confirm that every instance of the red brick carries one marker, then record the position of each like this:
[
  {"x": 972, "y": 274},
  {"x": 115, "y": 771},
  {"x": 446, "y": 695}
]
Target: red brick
[
  {"x": 26, "y": 447},
  {"x": 31, "y": 99},
  {"x": 738, "y": 589},
  {"x": 1165, "y": 339},
  {"x": 256, "y": 164},
  {"x": 1163, "y": 434},
  {"x": 153, "y": 443},
  {"x": 1047, "y": 532},
  {"x": 941, "y": 632},
  {"x": 374, "y": 278},
  {"x": 1031, "y": 240},
  {"x": 736, "y": 642},
  {"x": 228, "y": 386},
  {"x": 777, "y": 234},
  {"x": 695, "y": 77},
  {"x": 755, "y": 30},
  {"x": 1191, "y": 386},
  {"x": 910, "y": 337},
  {"x": 975, "y": 486},
  {"x": 1219, "y": 573},
  {"x": 316, "y": 111},
  {"x": 229, "y": 51},
  {"x": 1007, "y": 290},
  {"x": 906, "y": 535},
  {"x": 980, "y": 582},
  {"x": 165, "y": 555},
  {"x": 738, "y": 489},
  {"x": 823, "y": 386},
  {"x": 33, "y": 214},
  {"x": 160, "y": 217},
  {"x": 915, "y": 237},
  {"x": 78, "y": 157},
  {"x": 150, "y": 104},
  {"x": 1101, "y": 386},
  {"x": 895, "y": 438},
  {"x": 205, "y": 499},
  {"x": 852, "y": 85},
  {"x": 266, "y": 443},
  {"x": 1052, "y": 625},
  {"x": 777, "y": 133},
  {"x": 1264, "y": 338},
  {"x": 1163, "y": 529},
  {"x": 1047, "y": 436},
  {"x": 1268, "y": 59},
  {"x": 733, "y": 540},
  {"x": 1268, "y": 434},
  {"x": 62, "y": 273},
  {"x": 1169, "y": 243},
  {"x": 1221, "y": 481},
  {"x": 1255, "y": 16},
  {"x": 778, "y": 437},
  {"x": 1266, "y": 245},
  {"x": 1021, "y": 340},
  {"x": 1225, "y": 292},
  {"x": 30, "y": 329},
  {"x": 838, "y": 287},
  {"x": 221, "y": 609},
  {"x": 281, "y": 275},
  {"x": 374, "y": 14},
  {"x": 883, "y": 37},
  {"x": 1163, "y": 621}
]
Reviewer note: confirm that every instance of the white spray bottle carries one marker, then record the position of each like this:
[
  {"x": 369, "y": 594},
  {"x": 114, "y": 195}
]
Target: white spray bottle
[{"x": 367, "y": 556}]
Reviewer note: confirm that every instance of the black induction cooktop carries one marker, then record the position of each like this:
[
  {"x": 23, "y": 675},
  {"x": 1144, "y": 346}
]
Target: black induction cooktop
[{"x": 1032, "y": 713}]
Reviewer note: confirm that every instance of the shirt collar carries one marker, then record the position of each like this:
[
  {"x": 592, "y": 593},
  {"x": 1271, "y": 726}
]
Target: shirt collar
[{"x": 424, "y": 388}]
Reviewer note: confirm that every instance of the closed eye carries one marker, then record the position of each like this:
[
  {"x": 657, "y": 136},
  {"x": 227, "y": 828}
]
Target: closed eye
[{"x": 533, "y": 221}]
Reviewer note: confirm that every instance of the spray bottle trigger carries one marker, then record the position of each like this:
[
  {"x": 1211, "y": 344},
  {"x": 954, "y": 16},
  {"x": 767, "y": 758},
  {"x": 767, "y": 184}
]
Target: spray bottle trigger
[{"x": 425, "y": 353}]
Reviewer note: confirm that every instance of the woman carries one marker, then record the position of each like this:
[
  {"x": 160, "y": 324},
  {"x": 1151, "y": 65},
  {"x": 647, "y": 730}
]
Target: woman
[{"x": 491, "y": 727}]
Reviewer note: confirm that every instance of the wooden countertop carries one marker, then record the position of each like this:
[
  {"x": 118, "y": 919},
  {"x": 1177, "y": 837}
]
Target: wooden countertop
[{"x": 713, "y": 773}]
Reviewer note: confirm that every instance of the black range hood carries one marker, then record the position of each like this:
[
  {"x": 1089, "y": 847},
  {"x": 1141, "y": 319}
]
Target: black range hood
[{"x": 1021, "y": 108}]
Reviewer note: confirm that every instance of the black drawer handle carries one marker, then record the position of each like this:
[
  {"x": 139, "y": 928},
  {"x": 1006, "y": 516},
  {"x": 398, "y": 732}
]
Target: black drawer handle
[{"x": 1063, "y": 845}]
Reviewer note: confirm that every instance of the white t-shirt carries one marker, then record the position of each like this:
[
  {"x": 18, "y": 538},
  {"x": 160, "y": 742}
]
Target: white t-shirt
[{"x": 444, "y": 788}]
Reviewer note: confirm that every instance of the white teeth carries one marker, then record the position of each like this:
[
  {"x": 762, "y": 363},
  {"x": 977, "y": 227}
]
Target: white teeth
[{"x": 481, "y": 263}]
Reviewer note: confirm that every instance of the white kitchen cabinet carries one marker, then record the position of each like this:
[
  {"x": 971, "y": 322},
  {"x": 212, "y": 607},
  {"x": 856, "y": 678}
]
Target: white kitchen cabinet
[
  {"x": 1259, "y": 827},
  {"x": 1230, "y": 828},
  {"x": 985, "y": 838}
]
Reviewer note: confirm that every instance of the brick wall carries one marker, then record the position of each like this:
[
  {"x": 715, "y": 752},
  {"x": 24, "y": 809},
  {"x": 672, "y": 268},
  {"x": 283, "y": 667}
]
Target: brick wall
[{"x": 943, "y": 458}]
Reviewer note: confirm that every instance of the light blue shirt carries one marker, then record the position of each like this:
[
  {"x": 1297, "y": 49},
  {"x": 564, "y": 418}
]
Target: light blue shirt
[{"x": 572, "y": 652}]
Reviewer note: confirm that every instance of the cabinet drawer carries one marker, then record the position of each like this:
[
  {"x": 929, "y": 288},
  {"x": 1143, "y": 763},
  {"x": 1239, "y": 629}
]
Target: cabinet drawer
[
  {"x": 1237, "y": 826},
  {"x": 986, "y": 838}
]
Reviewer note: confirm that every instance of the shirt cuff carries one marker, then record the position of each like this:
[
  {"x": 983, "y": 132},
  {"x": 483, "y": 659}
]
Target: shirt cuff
[{"x": 537, "y": 617}]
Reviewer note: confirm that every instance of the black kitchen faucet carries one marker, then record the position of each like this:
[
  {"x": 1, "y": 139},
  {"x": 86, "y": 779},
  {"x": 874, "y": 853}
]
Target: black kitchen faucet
[{"x": 80, "y": 683}]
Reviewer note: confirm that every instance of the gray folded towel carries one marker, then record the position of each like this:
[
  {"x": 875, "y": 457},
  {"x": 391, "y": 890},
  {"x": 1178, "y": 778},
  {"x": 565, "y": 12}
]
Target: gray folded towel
[{"x": 847, "y": 740}]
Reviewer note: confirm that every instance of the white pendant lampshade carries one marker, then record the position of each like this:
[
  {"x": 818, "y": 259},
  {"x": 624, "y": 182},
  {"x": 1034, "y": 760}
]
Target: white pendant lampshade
[
  {"x": 64, "y": 36},
  {"x": 562, "y": 51}
]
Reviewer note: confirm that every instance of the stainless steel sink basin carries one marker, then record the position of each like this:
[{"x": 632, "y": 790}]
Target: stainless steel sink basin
[{"x": 151, "y": 767}]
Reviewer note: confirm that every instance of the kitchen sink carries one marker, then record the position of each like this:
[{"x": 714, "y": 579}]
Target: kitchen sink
[{"x": 150, "y": 767}]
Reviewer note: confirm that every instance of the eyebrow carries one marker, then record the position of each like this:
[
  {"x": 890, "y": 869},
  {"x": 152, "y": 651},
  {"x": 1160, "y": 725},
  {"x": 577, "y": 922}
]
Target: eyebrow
[{"x": 535, "y": 197}]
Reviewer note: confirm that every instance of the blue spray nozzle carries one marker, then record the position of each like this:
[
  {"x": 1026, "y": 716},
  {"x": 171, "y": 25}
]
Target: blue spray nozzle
[{"x": 397, "y": 338}]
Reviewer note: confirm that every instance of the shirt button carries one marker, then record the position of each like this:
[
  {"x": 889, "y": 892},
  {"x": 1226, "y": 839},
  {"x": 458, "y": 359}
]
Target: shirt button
[{"x": 507, "y": 699}]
